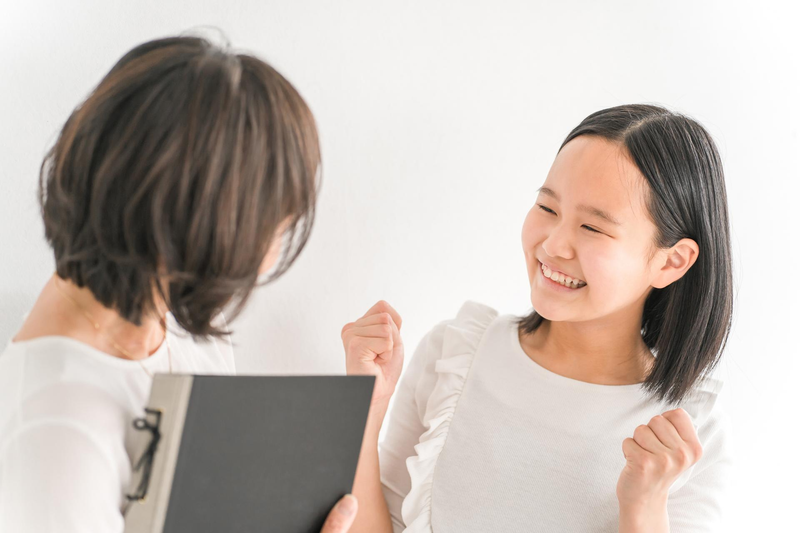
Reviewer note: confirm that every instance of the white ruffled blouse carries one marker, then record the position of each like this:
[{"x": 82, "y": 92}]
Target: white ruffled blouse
[{"x": 483, "y": 439}]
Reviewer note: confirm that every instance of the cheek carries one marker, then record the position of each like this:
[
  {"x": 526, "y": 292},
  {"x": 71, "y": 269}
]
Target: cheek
[
  {"x": 614, "y": 273},
  {"x": 530, "y": 233}
]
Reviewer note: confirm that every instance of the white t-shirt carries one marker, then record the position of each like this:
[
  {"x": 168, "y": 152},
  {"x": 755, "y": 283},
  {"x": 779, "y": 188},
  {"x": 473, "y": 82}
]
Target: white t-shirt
[
  {"x": 483, "y": 439},
  {"x": 65, "y": 410}
]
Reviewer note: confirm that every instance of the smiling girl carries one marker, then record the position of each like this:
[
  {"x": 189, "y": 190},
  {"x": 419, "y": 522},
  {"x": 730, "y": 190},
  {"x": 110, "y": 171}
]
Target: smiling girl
[{"x": 596, "y": 412}]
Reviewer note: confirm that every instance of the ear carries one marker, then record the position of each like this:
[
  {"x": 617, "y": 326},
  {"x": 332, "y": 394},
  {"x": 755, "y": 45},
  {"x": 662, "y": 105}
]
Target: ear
[{"x": 679, "y": 258}]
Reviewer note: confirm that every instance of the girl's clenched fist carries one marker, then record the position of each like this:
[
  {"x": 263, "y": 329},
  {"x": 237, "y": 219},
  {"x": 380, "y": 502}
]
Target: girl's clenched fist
[
  {"x": 656, "y": 456},
  {"x": 374, "y": 347}
]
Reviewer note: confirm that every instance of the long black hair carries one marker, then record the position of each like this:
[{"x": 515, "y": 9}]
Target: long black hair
[{"x": 685, "y": 324}]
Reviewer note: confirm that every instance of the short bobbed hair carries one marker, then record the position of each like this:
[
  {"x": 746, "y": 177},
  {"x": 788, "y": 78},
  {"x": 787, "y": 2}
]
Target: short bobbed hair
[{"x": 172, "y": 178}]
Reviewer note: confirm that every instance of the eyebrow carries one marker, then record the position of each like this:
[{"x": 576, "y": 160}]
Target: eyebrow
[{"x": 605, "y": 215}]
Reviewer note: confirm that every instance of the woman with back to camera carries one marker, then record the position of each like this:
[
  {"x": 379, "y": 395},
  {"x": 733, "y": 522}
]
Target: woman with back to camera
[
  {"x": 596, "y": 412},
  {"x": 167, "y": 197}
]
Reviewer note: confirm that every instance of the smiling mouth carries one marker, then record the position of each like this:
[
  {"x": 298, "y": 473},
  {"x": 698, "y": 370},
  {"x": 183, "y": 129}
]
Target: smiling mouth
[{"x": 561, "y": 279}]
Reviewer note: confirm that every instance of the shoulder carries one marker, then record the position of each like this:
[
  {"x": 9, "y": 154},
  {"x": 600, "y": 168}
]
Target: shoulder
[
  {"x": 56, "y": 471},
  {"x": 455, "y": 336},
  {"x": 703, "y": 405},
  {"x": 443, "y": 357},
  {"x": 468, "y": 326},
  {"x": 52, "y": 386},
  {"x": 225, "y": 344},
  {"x": 197, "y": 355},
  {"x": 714, "y": 427}
]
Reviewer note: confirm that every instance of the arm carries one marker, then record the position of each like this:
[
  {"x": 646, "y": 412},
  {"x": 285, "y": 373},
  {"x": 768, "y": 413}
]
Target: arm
[
  {"x": 373, "y": 346},
  {"x": 405, "y": 422},
  {"x": 646, "y": 518},
  {"x": 56, "y": 477},
  {"x": 382, "y": 479},
  {"x": 373, "y": 515}
]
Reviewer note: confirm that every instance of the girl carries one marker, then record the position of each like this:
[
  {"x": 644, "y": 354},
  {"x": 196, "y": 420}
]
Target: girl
[
  {"x": 168, "y": 195},
  {"x": 596, "y": 412}
]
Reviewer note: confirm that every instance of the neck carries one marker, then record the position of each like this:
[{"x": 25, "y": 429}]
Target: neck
[
  {"x": 139, "y": 341},
  {"x": 607, "y": 351}
]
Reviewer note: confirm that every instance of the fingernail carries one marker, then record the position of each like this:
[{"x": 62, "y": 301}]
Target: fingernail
[{"x": 347, "y": 506}]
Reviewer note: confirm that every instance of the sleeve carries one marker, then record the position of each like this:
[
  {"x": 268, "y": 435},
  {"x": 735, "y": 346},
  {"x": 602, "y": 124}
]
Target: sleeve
[
  {"x": 699, "y": 506},
  {"x": 405, "y": 421},
  {"x": 55, "y": 477}
]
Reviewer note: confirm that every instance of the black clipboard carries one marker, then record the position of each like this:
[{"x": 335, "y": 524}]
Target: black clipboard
[{"x": 246, "y": 453}]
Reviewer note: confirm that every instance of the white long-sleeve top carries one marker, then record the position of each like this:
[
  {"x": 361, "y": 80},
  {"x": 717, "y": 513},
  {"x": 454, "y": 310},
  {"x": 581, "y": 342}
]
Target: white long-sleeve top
[
  {"x": 483, "y": 439},
  {"x": 65, "y": 413}
]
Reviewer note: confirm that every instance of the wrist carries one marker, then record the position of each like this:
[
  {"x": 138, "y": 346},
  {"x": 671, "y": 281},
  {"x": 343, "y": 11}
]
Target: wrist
[
  {"x": 375, "y": 417},
  {"x": 652, "y": 503},
  {"x": 644, "y": 516}
]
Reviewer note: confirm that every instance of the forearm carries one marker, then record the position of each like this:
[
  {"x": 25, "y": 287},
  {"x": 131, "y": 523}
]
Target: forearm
[
  {"x": 373, "y": 515},
  {"x": 648, "y": 517}
]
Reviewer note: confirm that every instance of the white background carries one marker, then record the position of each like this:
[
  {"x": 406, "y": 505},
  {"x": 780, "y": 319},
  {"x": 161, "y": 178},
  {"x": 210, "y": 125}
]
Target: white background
[{"x": 438, "y": 121}]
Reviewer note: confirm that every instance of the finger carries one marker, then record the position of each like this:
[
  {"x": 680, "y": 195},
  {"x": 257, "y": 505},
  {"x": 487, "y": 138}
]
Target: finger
[
  {"x": 371, "y": 347},
  {"x": 631, "y": 450},
  {"x": 380, "y": 325},
  {"x": 382, "y": 331},
  {"x": 382, "y": 306},
  {"x": 341, "y": 517},
  {"x": 683, "y": 425},
  {"x": 644, "y": 437},
  {"x": 666, "y": 432},
  {"x": 682, "y": 422},
  {"x": 379, "y": 318}
]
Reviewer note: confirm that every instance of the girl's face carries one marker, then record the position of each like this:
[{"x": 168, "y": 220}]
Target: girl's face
[{"x": 567, "y": 231}]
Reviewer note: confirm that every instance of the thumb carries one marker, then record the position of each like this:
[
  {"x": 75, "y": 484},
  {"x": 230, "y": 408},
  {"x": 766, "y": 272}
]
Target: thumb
[{"x": 341, "y": 517}]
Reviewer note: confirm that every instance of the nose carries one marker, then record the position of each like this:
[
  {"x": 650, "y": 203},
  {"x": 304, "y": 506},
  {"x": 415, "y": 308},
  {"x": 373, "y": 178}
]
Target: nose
[{"x": 558, "y": 243}]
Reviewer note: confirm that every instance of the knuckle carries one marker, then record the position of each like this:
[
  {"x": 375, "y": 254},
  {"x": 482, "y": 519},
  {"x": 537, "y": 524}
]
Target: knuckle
[
  {"x": 665, "y": 460},
  {"x": 683, "y": 457},
  {"x": 649, "y": 464},
  {"x": 698, "y": 451}
]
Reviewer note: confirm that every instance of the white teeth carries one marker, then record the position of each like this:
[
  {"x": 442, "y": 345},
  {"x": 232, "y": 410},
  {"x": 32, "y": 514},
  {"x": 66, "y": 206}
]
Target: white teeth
[{"x": 562, "y": 279}]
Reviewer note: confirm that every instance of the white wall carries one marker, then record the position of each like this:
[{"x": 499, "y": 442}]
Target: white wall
[{"x": 438, "y": 122}]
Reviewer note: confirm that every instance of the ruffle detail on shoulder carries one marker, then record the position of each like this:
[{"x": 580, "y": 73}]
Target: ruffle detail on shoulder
[
  {"x": 460, "y": 343},
  {"x": 699, "y": 405},
  {"x": 700, "y": 400}
]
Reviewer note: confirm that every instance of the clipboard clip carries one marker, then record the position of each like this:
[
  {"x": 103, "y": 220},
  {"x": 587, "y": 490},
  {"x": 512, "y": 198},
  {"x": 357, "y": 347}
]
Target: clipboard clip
[{"x": 145, "y": 462}]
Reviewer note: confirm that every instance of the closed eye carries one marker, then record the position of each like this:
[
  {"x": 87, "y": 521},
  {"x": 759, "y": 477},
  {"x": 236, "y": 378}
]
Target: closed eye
[{"x": 553, "y": 212}]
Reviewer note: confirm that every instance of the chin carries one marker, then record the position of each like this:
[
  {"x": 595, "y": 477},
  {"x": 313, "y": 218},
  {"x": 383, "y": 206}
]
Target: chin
[{"x": 544, "y": 308}]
